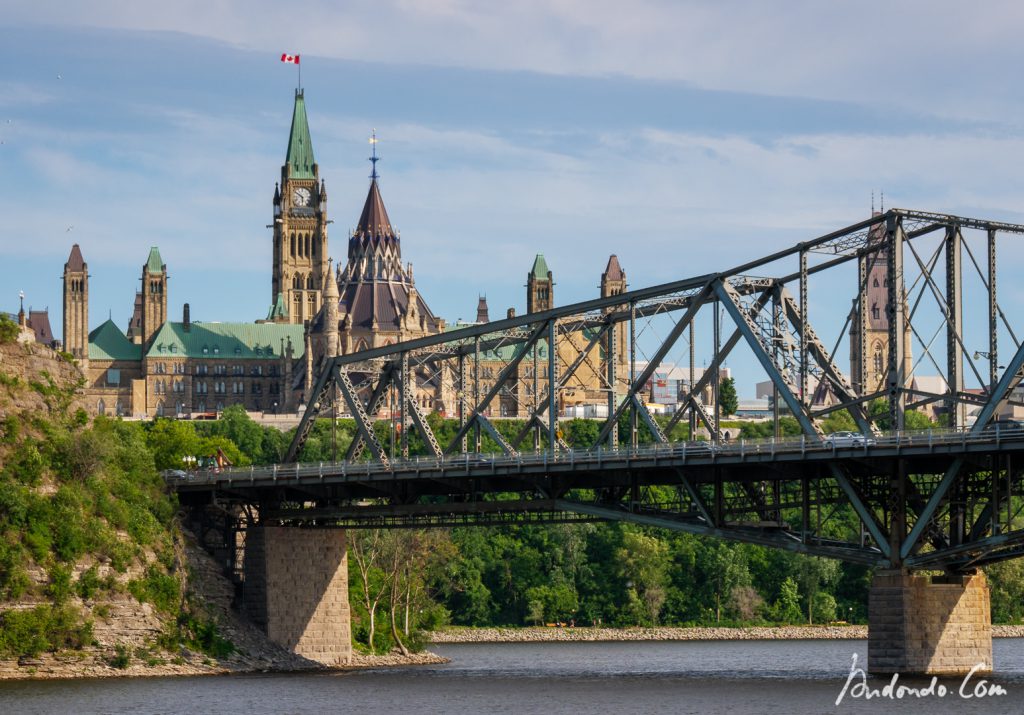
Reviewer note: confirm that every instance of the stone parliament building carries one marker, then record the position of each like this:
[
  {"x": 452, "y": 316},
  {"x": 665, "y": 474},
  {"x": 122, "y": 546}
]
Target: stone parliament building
[{"x": 163, "y": 367}]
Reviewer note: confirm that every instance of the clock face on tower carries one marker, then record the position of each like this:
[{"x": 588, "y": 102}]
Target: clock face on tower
[{"x": 300, "y": 197}]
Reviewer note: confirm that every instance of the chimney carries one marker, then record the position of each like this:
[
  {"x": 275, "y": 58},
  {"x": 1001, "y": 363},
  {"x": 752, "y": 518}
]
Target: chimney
[
  {"x": 185, "y": 320},
  {"x": 511, "y": 313}
]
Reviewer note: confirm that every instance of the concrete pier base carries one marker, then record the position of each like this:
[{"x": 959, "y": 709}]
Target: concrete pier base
[
  {"x": 939, "y": 625},
  {"x": 296, "y": 589}
]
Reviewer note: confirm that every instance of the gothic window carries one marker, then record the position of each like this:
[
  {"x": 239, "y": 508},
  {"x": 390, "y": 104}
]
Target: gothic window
[
  {"x": 875, "y": 284},
  {"x": 874, "y": 311},
  {"x": 118, "y": 408},
  {"x": 160, "y": 409},
  {"x": 101, "y": 407},
  {"x": 314, "y": 247},
  {"x": 310, "y": 283},
  {"x": 293, "y": 244},
  {"x": 312, "y": 303},
  {"x": 878, "y": 357},
  {"x": 885, "y": 281}
]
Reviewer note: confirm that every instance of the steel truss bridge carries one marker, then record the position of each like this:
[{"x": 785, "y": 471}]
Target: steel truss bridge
[{"x": 947, "y": 499}]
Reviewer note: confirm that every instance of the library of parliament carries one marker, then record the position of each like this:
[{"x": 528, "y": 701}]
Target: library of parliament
[{"x": 181, "y": 368}]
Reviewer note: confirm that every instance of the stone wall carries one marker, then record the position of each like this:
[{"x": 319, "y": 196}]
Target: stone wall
[
  {"x": 929, "y": 625},
  {"x": 296, "y": 590}
]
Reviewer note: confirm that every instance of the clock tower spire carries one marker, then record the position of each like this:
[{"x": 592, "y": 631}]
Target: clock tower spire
[{"x": 300, "y": 228}]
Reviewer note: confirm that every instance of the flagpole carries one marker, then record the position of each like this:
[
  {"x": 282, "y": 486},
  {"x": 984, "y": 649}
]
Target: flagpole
[{"x": 298, "y": 65}]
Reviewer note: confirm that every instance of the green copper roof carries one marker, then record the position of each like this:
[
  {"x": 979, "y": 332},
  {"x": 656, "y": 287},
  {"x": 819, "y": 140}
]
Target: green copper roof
[
  {"x": 279, "y": 309},
  {"x": 540, "y": 267},
  {"x": 154, "y": 263},
  {"x": 107, "y": 342},
  {"x": 300, "y": 146},
  {"x": 229, "y": 341}
]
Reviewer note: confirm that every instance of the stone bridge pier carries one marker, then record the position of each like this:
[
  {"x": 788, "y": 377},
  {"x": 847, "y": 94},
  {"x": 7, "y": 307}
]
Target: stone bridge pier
[
  {"x": 929, "y": 625},
  {"x": 296, "y": 590}
]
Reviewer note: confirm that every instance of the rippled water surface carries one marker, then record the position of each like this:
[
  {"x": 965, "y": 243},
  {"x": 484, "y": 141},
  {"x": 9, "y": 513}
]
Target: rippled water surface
[{"x": 688, "y": 677}]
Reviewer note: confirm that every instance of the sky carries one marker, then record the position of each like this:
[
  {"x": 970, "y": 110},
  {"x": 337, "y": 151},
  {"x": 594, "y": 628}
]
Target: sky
[{"x": 686, "y": 137}]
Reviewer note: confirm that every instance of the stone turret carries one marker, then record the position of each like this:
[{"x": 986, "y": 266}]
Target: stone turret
[{"x": 330, "y": 298}]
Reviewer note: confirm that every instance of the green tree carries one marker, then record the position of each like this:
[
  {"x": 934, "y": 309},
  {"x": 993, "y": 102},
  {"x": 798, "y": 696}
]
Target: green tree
[
  {"x": 787, "y": 605},
  {"x": 724, "y": 568},
  {"x": 8, "y": 329},
  {"x": 170, "y": 440},
  {"x": 643, "y": 562},
  {"x": 840, "y": 421},
  {"x": 727, "y": 397}
]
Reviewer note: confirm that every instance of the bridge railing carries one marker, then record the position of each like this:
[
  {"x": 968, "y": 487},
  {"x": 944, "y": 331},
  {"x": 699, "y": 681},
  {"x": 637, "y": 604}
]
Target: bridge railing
[{"x": 738, "y": 447}]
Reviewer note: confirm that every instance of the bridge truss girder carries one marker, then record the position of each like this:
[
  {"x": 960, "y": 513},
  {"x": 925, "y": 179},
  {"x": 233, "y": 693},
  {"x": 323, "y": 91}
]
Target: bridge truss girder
[{"x": 908, "y": 520}]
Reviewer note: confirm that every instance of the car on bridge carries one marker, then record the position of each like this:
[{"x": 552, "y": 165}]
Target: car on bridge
[{"x": 847, "y": 439}]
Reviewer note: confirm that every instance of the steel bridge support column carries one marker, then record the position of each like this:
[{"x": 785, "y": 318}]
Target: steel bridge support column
[
  {"x": 897, "y": 380},
  {"x": 954, "y": 329},
  {"x": 993, "y": 314},
  {"x": 296, "y": 590},
  {"x": 613, "y": 398},
  {"x": 923, "y": 625}
]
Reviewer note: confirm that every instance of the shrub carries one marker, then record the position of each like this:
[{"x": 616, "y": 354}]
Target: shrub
[
  {"x": 122, "y": 658},
  {"x": 8, "y": 329},
  {"x": 160, "y": 589},
  {"x": 89, "y": 583},
  {"x": 43, "y": 628}
]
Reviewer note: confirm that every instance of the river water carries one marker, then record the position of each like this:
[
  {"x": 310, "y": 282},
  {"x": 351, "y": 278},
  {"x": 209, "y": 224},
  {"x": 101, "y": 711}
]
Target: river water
[{"x": 707, "y": 677}]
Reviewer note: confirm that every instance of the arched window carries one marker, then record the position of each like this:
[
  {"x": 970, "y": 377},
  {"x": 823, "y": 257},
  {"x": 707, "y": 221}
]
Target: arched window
[
  {"x": 311, "y": 302},
  {"x": 293, "y": 244},
  {"x": 310, "y": 283},
  {"x": 878, "y": 363},
  {"x": 307, "y": 245},
  {"x": 874, "y": 311},
  {"x": 160, "y": 409},
  {"x": 101, "y": 407}
]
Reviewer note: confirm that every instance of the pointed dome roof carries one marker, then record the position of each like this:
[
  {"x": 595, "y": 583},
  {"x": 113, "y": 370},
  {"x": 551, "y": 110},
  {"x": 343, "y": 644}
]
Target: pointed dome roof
[
  {"x": 613, "y": 271},
  {"x": 154, "y": 263},
  {"x": 374, "y": 220},
  {"x": 75, "y": 260},
  {"x": 540, "y": 267},
  {"x": 300, "y": 145}
]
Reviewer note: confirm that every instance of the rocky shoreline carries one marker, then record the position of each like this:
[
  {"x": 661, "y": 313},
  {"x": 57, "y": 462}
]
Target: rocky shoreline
[
  {"x": 94, "y": 663},
  {"x": 543, "y": 635}
]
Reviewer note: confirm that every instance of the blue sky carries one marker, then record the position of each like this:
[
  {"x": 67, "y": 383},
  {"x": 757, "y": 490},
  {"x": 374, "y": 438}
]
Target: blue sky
[{"x": 685, "y": 137}]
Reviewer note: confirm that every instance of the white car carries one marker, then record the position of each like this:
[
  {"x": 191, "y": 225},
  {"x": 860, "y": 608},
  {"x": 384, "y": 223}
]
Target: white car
[{"x": 847, "y": 439}]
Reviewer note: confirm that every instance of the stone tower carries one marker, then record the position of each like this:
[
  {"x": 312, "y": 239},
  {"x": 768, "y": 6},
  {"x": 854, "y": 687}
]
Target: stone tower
[
  {"x": 154, "y": 295},
  {"x": 613, "y": 282},
  {"x": 482, "y": 315},
  {"x": 869, "y": 327},
  {"x": 300, "y": 228},
  {"x": 76, "y": 305},
  {"x": 379, "y": 303},
  {"x": 539, "y": 286}
]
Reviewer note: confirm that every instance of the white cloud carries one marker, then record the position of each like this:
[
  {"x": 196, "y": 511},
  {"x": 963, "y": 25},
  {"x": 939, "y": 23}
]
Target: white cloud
[{"x": 940, "y": 57}]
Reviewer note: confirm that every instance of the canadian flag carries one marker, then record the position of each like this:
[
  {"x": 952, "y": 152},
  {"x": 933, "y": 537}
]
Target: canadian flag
[{"x": 292, "y": 59}]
